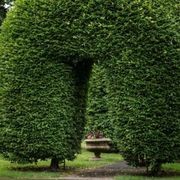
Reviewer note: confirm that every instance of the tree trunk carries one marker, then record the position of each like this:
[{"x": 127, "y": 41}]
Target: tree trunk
[
  {"x": 54, "y": 164},
  {"x": 155, "y": 169}
]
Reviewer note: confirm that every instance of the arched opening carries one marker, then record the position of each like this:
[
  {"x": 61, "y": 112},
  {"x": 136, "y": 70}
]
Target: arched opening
[{"x": 43, "y": 89}]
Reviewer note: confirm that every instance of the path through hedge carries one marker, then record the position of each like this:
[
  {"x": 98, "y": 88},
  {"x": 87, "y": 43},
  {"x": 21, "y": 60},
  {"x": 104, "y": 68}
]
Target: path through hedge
[{"x": 106, "y": 172}]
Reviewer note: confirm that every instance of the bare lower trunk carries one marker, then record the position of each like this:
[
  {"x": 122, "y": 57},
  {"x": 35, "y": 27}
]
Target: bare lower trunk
[
  {"x": 54, "y": 164},
  {"x": 155, "y": 169}
]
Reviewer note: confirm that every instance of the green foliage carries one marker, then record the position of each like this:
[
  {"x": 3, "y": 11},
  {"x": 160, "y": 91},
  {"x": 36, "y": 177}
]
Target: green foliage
[
  {"x": 97, "y": 105},
  {"x": 144, "y": 89},
  {"x": 40, "y": 125},
  {"x": 46, "y": 53},
  {"x": 97, "y": 110},
  {"x": 42, "y": 98}
]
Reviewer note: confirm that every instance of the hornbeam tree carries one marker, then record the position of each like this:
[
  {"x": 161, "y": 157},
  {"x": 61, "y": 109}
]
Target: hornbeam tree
[{"x": 47, "y": 51}]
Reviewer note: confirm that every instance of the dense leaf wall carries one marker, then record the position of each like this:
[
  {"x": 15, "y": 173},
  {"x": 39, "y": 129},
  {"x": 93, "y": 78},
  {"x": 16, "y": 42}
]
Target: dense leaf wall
[
  {"x": 145, "y": 86},
  {"x": 45, "y": 45},
  {"x": 97, "y": 105}
]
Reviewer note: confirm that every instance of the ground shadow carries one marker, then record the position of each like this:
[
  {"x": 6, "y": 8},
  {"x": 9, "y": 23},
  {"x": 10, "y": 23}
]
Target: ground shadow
[
  {"x": 122, "y": 168},
  {"x": 119, "y": 168}
]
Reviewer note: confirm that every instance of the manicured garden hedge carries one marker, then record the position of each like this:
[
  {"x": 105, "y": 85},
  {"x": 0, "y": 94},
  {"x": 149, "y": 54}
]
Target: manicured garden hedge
[
  {"x": 145, "y": 85},
  {"x": 47, "y": 49},
  {"x": 98, "y": 121},
  {"x": 43, "y": 94},
  {"x": 97, "y": 109}
]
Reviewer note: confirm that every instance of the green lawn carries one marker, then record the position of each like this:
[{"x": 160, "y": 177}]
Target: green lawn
[
  {"x": 9, "y": 170},
  {"x": 27, "y": 171},
  {"x": 171, "y": 166},
  {"x": 145, "y": 178}
]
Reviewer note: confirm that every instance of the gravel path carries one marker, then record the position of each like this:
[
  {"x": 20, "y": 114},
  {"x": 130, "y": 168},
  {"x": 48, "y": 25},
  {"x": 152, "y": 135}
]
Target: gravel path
[{"x": 105, "y": 172}]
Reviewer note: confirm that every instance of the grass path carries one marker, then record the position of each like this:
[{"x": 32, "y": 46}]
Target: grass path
[
  {"x": 78, "y": 168},
  {"x": 145, "y": 178},
  {"x": 125, "y": 172},
  {"x": 27, "y": 171}
]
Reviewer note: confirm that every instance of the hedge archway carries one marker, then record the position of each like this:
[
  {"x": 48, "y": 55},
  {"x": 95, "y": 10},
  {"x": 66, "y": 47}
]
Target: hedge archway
[{"x": 47, "y": 51}]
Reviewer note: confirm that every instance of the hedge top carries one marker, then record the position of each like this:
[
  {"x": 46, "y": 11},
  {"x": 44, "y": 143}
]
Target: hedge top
[{"x": 90, "y": 29}]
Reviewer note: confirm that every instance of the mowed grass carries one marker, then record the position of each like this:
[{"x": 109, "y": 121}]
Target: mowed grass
[
  {"x": 10, "y": 171},
  {"x": 30, "y": 171},
  {"x": 145, "y": 178},
  {"x": 173, "y": 167}
]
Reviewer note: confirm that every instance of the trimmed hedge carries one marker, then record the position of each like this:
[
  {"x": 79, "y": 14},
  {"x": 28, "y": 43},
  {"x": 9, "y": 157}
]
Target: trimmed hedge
[
  {"x": 46, "y": 53},
  {"x": 43, "y": 94},
  {"x": 97, "y": 109},
  {"x": 97, "y": 105},
  {"x": 144, "y": 91}
]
